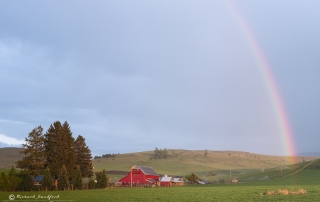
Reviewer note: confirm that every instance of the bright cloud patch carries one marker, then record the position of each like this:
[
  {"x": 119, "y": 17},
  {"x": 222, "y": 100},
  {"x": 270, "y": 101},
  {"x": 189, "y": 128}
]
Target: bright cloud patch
[
  {"x": 9, "y": 140},
  {"x": 9, "y": 121}
]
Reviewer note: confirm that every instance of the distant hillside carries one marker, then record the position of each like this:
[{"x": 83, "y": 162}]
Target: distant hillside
[
  {"x": 316, "y": 154},
  {"x": 215, "y": 166},
  {"x": 9, "y": 155},
  {"x": 181, "y": 162}
]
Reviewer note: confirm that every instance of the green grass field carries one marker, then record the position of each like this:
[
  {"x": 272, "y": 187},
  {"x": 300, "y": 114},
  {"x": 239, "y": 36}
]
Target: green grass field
[
  {"x": 307, "y": 179},
  {"x": 4, "y": 170},
  {"x": 187, "y": 193}
]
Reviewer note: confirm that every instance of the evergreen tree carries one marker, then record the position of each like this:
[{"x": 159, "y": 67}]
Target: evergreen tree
[
  {"x": 69, "y": 152},
  {"x": 102, "y": 179},
  {"x": 160, "y": 154},
  {"x": 98, "y": 179},
  {"x": 47, "y": 181},
  {"x": 193, "y": 178},
  {"x": 83, "y": 157},
  {"x": 34, "y": 156},
  {"x": 26, "y": 184},
  {"x": 165, "y": 153},
  {"x": 91, "y": 184},
  {"x": 4, "y": 182},
  {"x": 63, "y": 179},
  {"x": 77, "y": 182},
  {"x": 59, "y": 149},
  {"x": 14, "y": 179},
  {"x": 52, "y": 152},
  {"x": 206, "y": 152},
  {"x": 156, "y": 153}
]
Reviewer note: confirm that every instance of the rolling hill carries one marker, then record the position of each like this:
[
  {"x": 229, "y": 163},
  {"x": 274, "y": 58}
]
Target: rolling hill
[
  {"x": 8, "y": 156},
  {"x": 215, "y": 166}
]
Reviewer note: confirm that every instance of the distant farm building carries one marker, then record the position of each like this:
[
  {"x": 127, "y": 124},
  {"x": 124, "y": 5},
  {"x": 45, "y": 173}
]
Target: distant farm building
[
  {"x": 140, "y": 176},
  {"x": 178, "y": 182},
  {"x": 234, "y": 181},
  {"x": 166, "y": 181},
  {"x": 171, "y": 181}
]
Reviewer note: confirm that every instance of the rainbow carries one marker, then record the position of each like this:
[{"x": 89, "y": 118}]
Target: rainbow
[{"x": 271, "y": 84}]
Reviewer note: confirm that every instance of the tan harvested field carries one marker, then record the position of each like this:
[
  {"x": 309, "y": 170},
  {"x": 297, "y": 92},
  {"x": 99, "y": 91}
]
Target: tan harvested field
[{"x": 8, "y": 156}]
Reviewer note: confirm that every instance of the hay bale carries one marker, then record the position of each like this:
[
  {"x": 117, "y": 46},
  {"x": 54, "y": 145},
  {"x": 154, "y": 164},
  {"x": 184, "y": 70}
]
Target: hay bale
[
  {"x": 284, "y": 192},
  {"x": 270, "y": 193},
  {"x": 301, "y": 191}
]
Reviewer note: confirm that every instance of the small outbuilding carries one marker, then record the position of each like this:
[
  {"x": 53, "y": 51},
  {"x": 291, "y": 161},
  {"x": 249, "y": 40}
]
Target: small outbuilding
[
  {"x": 178, "y": 181},
  {"x": 166, "y": 181},
  {"x": 234, "y": 181}
]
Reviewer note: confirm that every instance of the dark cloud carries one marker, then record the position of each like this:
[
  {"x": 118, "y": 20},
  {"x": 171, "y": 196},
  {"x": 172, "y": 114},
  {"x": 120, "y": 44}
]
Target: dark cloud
[{"x": 130, "y": 76}]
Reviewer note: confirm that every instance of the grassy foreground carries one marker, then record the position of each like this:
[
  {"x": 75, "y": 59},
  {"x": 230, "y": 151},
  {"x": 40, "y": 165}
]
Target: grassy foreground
[
  {"x": 189, "y": 193},
  {"x": 308, "y": 180}
]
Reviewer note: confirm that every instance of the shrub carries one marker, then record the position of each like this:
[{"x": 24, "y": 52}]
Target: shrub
[
  {"x": 47, "y": 181},
  {"x": 91, "y": 184},
  {"x": 26, "y": 184},
  {"x": 63, "y": 179},
  {"x": 4, "y": 182},
  {"x": 77, "y": 179}
]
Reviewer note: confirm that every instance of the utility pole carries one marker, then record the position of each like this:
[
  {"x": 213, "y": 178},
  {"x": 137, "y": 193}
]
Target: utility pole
[{"x": 131, "y": 178}]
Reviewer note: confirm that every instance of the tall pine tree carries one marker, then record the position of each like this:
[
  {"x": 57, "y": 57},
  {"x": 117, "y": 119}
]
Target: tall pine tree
[
  {"x": 34, "y": 155},
  {"x": 83, "y": 157},
  {"x": 52, "y": 149},
  {"x": 59, "y": 149},
  {"x": 70, "y": 160}
]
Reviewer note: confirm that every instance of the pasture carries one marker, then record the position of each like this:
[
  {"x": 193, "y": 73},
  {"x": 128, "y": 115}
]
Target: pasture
[
  {"x": 258, "y": 174},
  {"x": 188, "y": 193},
  {"x": 216, "y": 165},
  {"x": 308, "y": 179}
]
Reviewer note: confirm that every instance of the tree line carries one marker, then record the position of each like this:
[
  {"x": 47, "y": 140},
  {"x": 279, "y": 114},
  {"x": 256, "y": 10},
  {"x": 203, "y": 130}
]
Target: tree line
[
  {"x": 160, "y": 154},
  {"x": 105, "y": 156},
  {"x": 58, "y": 157},
  {"x": 163, "y": 153}
]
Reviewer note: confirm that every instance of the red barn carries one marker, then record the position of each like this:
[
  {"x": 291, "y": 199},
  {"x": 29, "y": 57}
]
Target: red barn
[{"x": 141, "y": 175}]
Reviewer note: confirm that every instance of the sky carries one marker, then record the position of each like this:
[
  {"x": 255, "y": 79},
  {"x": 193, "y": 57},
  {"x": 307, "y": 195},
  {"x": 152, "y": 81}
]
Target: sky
[{"x": 130, "y": 76}]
